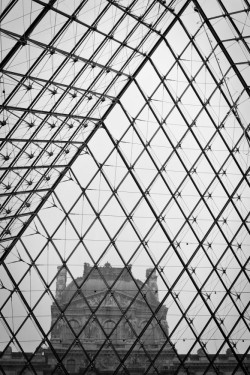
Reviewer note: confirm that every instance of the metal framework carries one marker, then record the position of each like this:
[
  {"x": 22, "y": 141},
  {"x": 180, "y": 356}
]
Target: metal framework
[{"x": 124, "y": 132}]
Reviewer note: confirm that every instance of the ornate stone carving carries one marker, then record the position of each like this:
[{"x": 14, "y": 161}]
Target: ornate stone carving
[
  {"x": 94, "y": 301},
  {"x": 109, "y": 300}
]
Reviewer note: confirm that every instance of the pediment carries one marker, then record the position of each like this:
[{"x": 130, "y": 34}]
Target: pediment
[{"x": 109, "y": 300}]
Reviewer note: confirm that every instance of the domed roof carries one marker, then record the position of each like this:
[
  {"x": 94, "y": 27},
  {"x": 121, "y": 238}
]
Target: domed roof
[{"x": 96, "y": 280}]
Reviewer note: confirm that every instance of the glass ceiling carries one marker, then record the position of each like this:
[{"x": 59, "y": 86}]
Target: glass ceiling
[{"x": 124, "y": 132}]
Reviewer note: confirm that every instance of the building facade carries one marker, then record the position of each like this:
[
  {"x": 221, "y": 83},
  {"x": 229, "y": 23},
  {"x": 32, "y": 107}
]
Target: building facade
[
  {"x": 105, "y": 311},
  {"x": 102, "y": 322}
]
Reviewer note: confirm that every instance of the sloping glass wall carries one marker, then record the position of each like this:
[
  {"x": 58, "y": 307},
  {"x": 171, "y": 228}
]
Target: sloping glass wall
[{"x": 124, "y": 132}]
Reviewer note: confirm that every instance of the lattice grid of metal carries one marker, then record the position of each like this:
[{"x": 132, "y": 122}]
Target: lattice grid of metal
[{"x": 124, "y": 132}]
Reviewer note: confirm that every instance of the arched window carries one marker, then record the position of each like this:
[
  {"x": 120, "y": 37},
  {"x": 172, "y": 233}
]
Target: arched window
[
  {"x": 129, "y": 330},
  {"x": 71, "y": 366},
  {"x": 108, "y": 327},
  {"x": 75, "y": 327},
  {"x": 91, "y": 331}
]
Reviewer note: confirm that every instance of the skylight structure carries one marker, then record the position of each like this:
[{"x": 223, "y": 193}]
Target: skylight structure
[{"x": 125, "y": 139}]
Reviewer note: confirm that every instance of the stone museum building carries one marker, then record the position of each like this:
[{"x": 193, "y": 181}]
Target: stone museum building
[
  {"x": 96, "y": 321},
  {"x": 100, "y": 329}
]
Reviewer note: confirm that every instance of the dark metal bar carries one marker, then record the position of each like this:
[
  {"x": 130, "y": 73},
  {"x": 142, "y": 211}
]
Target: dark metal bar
[
  {"x": 46, "y": 113},
  {"x": 24, "y": 37}
]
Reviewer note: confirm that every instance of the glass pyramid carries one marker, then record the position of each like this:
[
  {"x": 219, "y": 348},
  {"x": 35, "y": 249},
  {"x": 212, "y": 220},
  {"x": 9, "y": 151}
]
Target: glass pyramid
[{"x": 124, "y": 132}]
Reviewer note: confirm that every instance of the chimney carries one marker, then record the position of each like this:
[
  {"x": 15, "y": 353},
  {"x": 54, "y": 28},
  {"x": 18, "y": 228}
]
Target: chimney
[
  {"x": 60, "y": 281},
  {"x": 152, "y": 282},
  {"x": 86, "y": 269}
]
